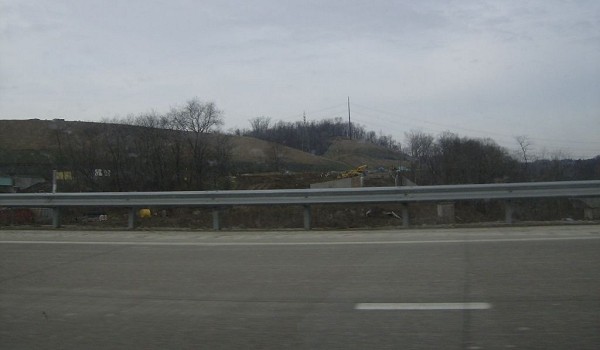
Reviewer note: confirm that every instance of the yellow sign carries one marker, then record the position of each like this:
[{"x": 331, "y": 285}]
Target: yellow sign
[{"x": 64, "y": 175}]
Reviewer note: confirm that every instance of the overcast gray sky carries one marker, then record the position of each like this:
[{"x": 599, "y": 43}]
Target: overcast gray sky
[{"x": 494, "y": 69}]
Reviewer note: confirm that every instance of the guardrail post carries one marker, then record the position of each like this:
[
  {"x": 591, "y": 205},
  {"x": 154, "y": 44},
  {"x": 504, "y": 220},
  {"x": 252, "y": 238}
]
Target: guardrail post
[
  {"x": 307, "y": 217},
  {"x": 55, "y": 217},
  {"x": 445, "y": 213},
  {"x": 216, "y": 214},
  {"x": 405, "y": 219},
  {"x": 508, "y": 212},
  {"x": 131, "y": 221}
]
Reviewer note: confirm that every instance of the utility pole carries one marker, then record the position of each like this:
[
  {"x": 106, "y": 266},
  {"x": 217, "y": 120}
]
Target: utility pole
[
  {"x": 54, "y": 173},
  {"x": 304, "y": 134},
  {"x": 349, "y": 122}
]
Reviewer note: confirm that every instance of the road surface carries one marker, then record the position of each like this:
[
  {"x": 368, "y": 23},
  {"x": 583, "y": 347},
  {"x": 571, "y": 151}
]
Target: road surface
[{"x": 499, "y": 288}]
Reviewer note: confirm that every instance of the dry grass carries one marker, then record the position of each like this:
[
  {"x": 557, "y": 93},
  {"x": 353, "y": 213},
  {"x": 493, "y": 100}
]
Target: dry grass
[
  {"x": 252, "y": 150},
  {"x": 26, "y": 134},
  {"x": 355, "y": 153},
  {"x": 41, "y": 135}
]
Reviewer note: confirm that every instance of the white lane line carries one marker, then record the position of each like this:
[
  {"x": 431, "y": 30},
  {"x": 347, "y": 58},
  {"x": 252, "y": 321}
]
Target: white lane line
[
  {"x": 211, "y": 244},
  {"x": 423, "y": 306}
]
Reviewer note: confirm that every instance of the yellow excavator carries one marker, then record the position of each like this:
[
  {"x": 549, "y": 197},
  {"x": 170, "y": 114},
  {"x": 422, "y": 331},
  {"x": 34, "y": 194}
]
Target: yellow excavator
[{"x": 358, "y": 171}]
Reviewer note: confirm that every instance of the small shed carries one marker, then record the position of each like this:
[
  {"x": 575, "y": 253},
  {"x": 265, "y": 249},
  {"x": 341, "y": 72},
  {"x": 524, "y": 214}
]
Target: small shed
[
  {"x": 23, "y": 182},
  {"x": 7, "y": 184}
]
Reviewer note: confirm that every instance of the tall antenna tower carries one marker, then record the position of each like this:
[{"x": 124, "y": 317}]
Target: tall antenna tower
[
  {"x": 349, "y": 122},
  {"x": 304, "y": 134}
]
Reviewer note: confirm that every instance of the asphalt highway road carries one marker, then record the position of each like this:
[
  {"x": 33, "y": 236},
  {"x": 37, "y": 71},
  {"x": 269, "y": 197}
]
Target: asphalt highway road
[{"x": 500, "y": 288}]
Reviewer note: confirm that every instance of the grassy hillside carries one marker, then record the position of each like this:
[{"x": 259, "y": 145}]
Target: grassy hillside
[
  {"x": 32, "y": 137},
  {"x": 356, "y": 153},
  {"x": 259, "y": 152},
  {"x": 41, "y": 135},
  {"x": 31, "y": 134}
]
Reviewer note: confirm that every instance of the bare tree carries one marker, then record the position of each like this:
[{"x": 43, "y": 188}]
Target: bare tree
[
  {"x": 419, "y": 144},
  {"x": 260, "y": 126},
  {"x": 198, "y": 119},
  {"x": 420, "y": 147},
  {"x": 221, "y": 163},
  {"x": 277, "y": 154},
  {"x": 525, "y": 149}
]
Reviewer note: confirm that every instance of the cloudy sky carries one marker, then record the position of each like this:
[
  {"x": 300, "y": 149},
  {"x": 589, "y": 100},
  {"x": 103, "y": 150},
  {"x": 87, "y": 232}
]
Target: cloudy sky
[{"x": 495, "y": 69}]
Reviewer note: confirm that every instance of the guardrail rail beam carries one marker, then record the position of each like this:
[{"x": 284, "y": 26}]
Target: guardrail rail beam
[{"x": 305, "y": 197}]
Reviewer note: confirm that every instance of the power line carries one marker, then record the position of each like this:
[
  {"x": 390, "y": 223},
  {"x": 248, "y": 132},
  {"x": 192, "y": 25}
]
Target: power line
[
  {"x": 372, "y": 117},
  {"x": 342, "y": 106},
  {"x": 472, "y": 130}
]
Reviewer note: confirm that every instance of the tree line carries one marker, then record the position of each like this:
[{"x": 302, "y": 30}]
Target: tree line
[
  {"x": 184, "y": 149},
  {"x": 451, "y": 159},
  {"x": 178, "y": 150},
  {"x": 313, "y": 136}
]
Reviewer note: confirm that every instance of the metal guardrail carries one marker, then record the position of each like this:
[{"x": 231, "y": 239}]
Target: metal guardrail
[{"x": 305, "y": 197}]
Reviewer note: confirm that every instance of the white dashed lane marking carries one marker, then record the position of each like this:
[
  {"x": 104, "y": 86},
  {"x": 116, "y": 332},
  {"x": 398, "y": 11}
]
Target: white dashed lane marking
[{"x": 422, "y": 306}]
